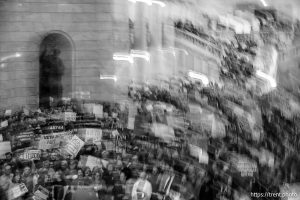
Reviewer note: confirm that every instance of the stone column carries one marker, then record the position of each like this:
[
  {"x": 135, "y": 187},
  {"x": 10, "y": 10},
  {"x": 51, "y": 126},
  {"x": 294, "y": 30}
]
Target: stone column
[
  {"x": 155, "y": 25},
  {"x": 140, "y": 32}
]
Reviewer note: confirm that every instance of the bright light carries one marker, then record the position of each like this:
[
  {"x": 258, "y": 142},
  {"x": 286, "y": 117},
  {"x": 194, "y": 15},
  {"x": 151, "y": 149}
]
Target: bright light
[
  {"x": 140, "y": 54},
  {"x": 16, "y": 55},
  {"x": 159, "y": 3},
  {"x": 199, "y": 76},
  {"x": 271, "y": 80},
  {"x": 149, "y": 2},
  {"x": 108, "y": 77},
  {"x": 124, "y": 57},
  {"x": 264, "y": 3}
]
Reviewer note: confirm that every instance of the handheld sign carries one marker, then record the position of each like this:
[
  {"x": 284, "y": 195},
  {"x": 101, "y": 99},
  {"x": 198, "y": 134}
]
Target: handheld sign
[
  {"x": 74, "y": 146},
  {"x": 31, "y": 155},
  {"x": 7, "y": 113},
  {"x": 130, "y": 124},
  {"x": 98, "y": 111},
  {"x": 41, "y": 193},
  {"x": 4, "y": 124},
  {"x": 69, "y": 116},
  {"x": 5, "y": 147},
  {"x": 17, "y": 191}
]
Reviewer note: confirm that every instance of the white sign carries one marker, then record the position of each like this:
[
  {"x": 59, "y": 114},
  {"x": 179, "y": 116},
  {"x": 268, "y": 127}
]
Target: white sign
[
  {"x": 4, "y": 124},
  {"x": 7, "y": 112},
  {"x": 69, "y": 116},
  {"x": 74, "y": 146},
  {"x": 94, "y": 134},
  {"x": 41, "y": 193},
  {"x": 93, "y": 162},
  {"x": 31, "y": 155},
  {"x": 199, "y": 153},
  {"x": 163, "y": 131},
  {"x": 130, "y": 124},
  {"x": 98, "y": 111},
  {"x": 51, "y": 141},
  {"x": 5, "y": 147},
  {"x": 17, "y": 191},
  {"x": 26, "y": 111}
]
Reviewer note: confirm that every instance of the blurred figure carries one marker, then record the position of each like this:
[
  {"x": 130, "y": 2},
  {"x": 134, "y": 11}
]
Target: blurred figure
[
  {"x": 142, "y": 188},
  {"x": 52, "y": 69}
]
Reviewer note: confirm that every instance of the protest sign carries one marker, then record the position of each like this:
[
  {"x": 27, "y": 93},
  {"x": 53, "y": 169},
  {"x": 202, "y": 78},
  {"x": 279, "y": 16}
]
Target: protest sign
[
  {"x": 26, "y": 111},
  {"x": 53, "y": 140},
  {"x": 130, "y": 124},
  {"x": 69, "y": 116},
  {"x": 74, "y": 145},
  {"x": 98, "y": 111},
  {"x": 17, "y": 191},
  {"x": 5, "y": 147},
  {"x": 91, "y": 134},
  {"x": 93, "y": 162},
  {"x": 163, "y": 131},
  {"x": 198, "y": 153},
  {"x": 4, "y": 124},
  {"x": 41, "y": 193},
  {"x": 218, "y": 129},
  {"x": 31, "y": 155},
  {"x": 7, "y": 113}
]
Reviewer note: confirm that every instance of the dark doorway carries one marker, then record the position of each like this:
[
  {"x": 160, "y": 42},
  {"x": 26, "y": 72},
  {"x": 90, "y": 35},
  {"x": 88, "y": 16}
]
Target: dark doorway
[{"x": 55, "y": 69}]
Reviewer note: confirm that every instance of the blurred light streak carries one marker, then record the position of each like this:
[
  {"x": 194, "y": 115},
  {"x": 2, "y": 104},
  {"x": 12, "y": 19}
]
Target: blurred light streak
[
  {"x": 140, "y": 54},
  {"x": 199, "y": 76},
  {"x": 108, "y": 77},
  {"x": 162, "y": 4},
  {"x": 16, "y": 55},
  {"x": 150, "y": 2},
  {"x": 123, "y": 57},
  {"x": 265, "y": 76},
  {"x": 264, "y": 3}
]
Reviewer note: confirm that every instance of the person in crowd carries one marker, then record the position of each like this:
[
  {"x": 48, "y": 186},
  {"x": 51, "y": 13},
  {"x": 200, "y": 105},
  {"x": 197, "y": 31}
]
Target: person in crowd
[
  {"x": 58, "y": 186},
  {"x": 142, "y": 188},
  {"x": 119, "y": 187},
  {"x": 206, "y": 191},
  {"x": 186, "y": 188},
  {"x": 27, "y": 179},
  {"x": 153, "y": 178}
]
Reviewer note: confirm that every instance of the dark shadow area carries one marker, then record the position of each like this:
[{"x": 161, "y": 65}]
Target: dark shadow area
[{"x": 55, "y": 69}]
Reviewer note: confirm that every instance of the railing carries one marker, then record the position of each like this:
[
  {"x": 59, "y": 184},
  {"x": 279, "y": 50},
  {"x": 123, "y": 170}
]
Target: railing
[{"x": 204, "y": 44}]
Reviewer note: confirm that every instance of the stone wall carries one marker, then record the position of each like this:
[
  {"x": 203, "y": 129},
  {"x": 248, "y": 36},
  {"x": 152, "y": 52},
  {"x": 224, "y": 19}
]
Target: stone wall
[{"x": 89, "y": 24}]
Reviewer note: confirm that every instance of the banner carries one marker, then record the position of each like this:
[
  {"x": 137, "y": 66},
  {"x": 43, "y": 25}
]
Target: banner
[
  {"x": 17, "y": 191},
  {"x": 74, "y": 146},
  {"x": 54, "y": 140},
  {"x": 69, "y": 116},
  {"x": 31, "y": 155},
  {"x": 5, "y": 147}
]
